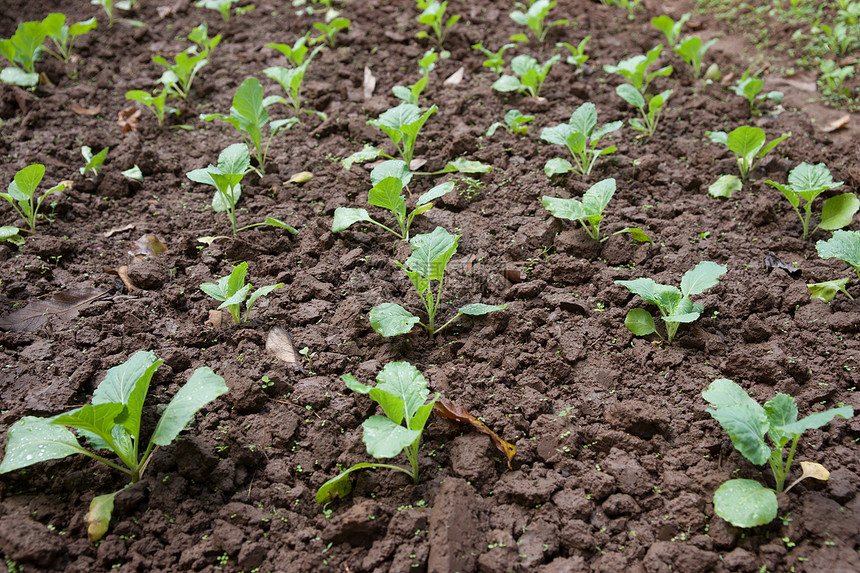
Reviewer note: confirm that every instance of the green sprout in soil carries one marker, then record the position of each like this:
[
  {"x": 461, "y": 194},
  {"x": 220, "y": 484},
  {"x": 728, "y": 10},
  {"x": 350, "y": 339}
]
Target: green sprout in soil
[
  {"x": 232, "y": 291},
  {"x": 589, "y": 211}
]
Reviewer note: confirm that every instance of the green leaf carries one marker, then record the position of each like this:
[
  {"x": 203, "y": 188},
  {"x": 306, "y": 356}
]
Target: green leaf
[
  {"x": 98, "y": 516},
  {"x": 384, "y": 438},
  {"x": 479, "y": 309},
  {"x": 392, "y": 168},
  {"x": 842, "y": 245},
  {"x": 631, "y": 95},
  {"x": 506, "y": 83},
  {"x": 11, "y": 234},
  {"x": 393, "y": 406},
  {"x": 339, "y": 486},
  {"x": 816, "y": 420},
  {"x": 388, "y": 195},
  {"x": 825, "y": 291},
  {"x": 720, "y": 137},
  {"x": 640, "y": 322},
  {"x": 235, "y": 299},
  {"x": 584, "y": 119},
  {"x": 462, "y": 165},
  {"x": 723, "y": 393},
  {"x": 570, "y": 209},
  {"x": 598, "y": 196},
  {"x": 839, "y": 211},
  {"x": 646, "y": 288},
  {"x": 702, "y": 277},
  {"x": 431, "y": 253},
  {"x": 806, "y": 177},
  {"x": 557, "y": 166},
  {"x": 557, "y": 134},
  {"x": 272, "y": 222},
  {"x": 203, "y": 387},
  {"x": 31, "y": 440},
  {"x": 101, "y": 421},
  {"x": 745, "y": 503},
  {"x": 82, "y": 27},
  {"x": 344, "y": 217},
  {"x": 398, "y": 117},
  {"x": 746, "y": 426},
  {"x": 18, "y": 77},
  {"x": 128, "y": 384},
  {"x": 134, "y": 173},
  {"x": 27, "y": 181},
  {"x": 725, "y": 186},
  {"x": 404, "y": 381},
  {"x": 435, "y": 192},
  {"x": 389, "y": 319},
  {"x": 780, "y": 411},
  {"x": 746, "y": 141},
  {"x": 368, "y": 153},
  {"x": 234, "y": 159},
  {"x": 355, "y": 385},
  {"x": 637, "y": 234},
  {"x": 261, "y": 292}
]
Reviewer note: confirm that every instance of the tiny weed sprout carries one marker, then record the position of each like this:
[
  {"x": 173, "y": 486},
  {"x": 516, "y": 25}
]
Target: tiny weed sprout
[
  {"x": 291, "y": 80},
  {"x": 232, "y": 292},
  {"x": 529, "y": 75},
  {"x": 808, "y": 182},
  {"x": 651, "y": 116},
  {"x": 94, "y": 162},
  {"x": 675, "y": 305},
  {"x": 750, "y": 86},
  {"x": 401, "y": 391},
  {"x": 670, "y": 28},
  {"x": 431, "y": 253},
  {"x": 249, "y": 116},
  {"x": 402, "y": 124},
  {"x": 515, "y": 123},
  {"x": 200, "y": 36},
  {"x": 155, "y": 103},
  {"x": 434, "y": 16},
  {"x": 112, "y": 421},
  {"x": 589, "y": 211},
  {"x": 692, "y": 50},
  {"x": 748, "y": 145},
  {"x": 533, "y": 18},
  {"x": 577, "y": 57},
  {"x": 629, "y": 5},
  {"x": 22, "y": 50},
  {"x": 63, "y": 36},
  {"x": 495, "y": 60},
  {"x": 21, "y": 193},
  {"x": 223, "y": 7},
  {"x": 328, "y": 31},
  {"x": 843, "y": 245},
  {"x": 410, "y": 94},
  {"x": 635, "y": 69},
  {"x": 179, "y": 76},
  {"x": 744, "y": 502},
  {"x": 389, "y": 179},
  {"x": 580, "y": 135}
]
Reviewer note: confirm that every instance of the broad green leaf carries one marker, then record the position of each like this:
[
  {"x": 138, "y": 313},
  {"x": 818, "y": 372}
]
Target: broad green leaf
[
  {"x": 392, "y": 405},
  {"x": 344, "y": 217},
  {"x": 479, "y": 309},
  {"x": 839, "y": 211},
  {"x": 816, "y": 420},
  {"x": 843, "y": 245},
  {"x": 203, "y": 387},
  {"x": 557, "y": 134},
  {"x": 404, "y": 381},
  {"x": 598, "y": 196},
  {"x": 685, "y": 317},
  {"x": 746, "y": 141},
  {"x": 419, "y": 420},
  {"x": 637, "y": 234},
  {"x": 236, "y": 278},
  {"x": 584, "y": 119},
  {"x": 806, "y": 177},
  {"x": 355, "y": 385},
  {"x": 388, "y": 195},
  {"x": 522, "y": 64},
  {"x": 725, "y": 186},
  {"x": 27, "y": 180},
  {"x": 53, "y": 24},
  {"x": 31, "y": 440},
  {"x": 746, "y": 426},
  {"x": 603, "y": 130},
  {"x": 506, "y": 83},
  {"x": 435, "y": 192},
  {"x": 228, "y": 191},
  {"x": 234, "y": 159},
  {"x": 339, "y": 486},
  {"x": 214, "y": 290},
  {"x": 391, "y": 168},
  {"x": 720, "y": 137},
  {"x": 571, "y": 209},
  {"x": 398, "y": 117},
  {"x": 644, "y": 287},
  {"x": 384, "y": 438},
  {"x": 745, "y": 503},
  {"x": 82, "y": 27},
  {"x": 18, "y": 77},
  {"x": 702, "y": 277},
  {"x": 631, "y": 95},
  {"x": 389, "y": 319},
  {"x": 417, "y": 279},
  {"x": 248, "y": 108},
  {"x": 787, "y": 192},
  {"x": 99, "y": 420},
  {"x": 366, "y": 154},
  {"x": 134, "y": 173},
  {"x": 98, "y": 516},
  {"x": 724, "y": 393},
  {"x": 461, "y": 165},
  {"x": 780, "y": 411},
  {"x": 128, "y": 384},
  {"x": 640, "y": 322},
  {"x": 431, "y": 253},
  {"x": 260, "y": 292},
  {"x": 770, "y": 146},
  {"x": 825, "y": 291},
  {"x": 557, "y": 166}
]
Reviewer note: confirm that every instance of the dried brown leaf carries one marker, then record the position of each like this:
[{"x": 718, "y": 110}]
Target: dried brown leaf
[
  {"x": 369, "y": 83},
  {"x": 81, "y": 110},
  {"x": 455, "y": 78},
  {"x": 147, "y": 246},
  {"x": 128, "y": 118},
  {"x": 116, "y": 230},
  {"x": 216, "y": 318},
  {"x": 122, "y": 272},
  {"x": 513, "y": 275},
  {"x": 62, "y": 306},
  {"x": 280, "y": 345},
  {"x": 452, "y": 411},
  {"x": 837, "y": 123},
  {"x": 301, "y": 177}
]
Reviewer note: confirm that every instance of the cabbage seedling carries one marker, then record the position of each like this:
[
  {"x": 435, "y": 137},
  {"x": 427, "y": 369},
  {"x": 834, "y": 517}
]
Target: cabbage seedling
[
  {"x": 22, "y": 190},
  {"x": 529, "y": 75},
  {"x": 178, "y": 77},
  {"x": 580, "y": 136},
  {"x": 223, "y": 7},
  {"x": 389, "y": 179},
  {"x": 650, "y": 118},
  {"x": 155, "y": 103},
  {"x": 808, "y": 182},
  {"x": 670, "y": 28},
  {"x": 291, "y": 80},
  {"x": 434, "y": 16},
  {"x": 200, "y": 36},
  {"x": 232, "y": 292},
  {"x": 534, "y": 18},
  {"x": 589, "y": 211},
  {"x": 296, "y": 53},
  {"x": 692, "y": 50},
  {"x": 635, "y": 69},
  {"x": 112, "y": 421},
  {"x": 410, "y": 94},
  {"x": 629, "y": 5},
  {"x": 94, "y": 162},
  {"x": 515, "y": 123},
  {"x": 577, "y": 57},
  {"x": 748, "y": 145},
  {"x": 843, "y": 245},
  {"x": 431, "y": 253},
  {"x": 750, "y": 87},
  {"x": 744, "y": 502},
  {"x": 328, "y": 31},
  {"x": 401, "y": 391},
  {"x": 402, "y": 124},
  {"x": 495, "y": 60},
  {"x": 675, "y": 305},
  {"x": 22, "y": 50},
  {"x": 63, "y": 36},
  {"x": 249, "y": 116}
]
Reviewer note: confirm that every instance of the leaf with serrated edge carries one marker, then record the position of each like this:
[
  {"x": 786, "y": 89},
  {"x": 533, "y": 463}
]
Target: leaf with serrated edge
[{"x": 843, "y": 245}]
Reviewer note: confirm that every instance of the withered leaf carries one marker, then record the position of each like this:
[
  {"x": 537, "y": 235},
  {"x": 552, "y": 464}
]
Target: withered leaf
[
  {"x": 417, "y": 164},
  {"x": 451, "y": 411},
  {"x": 512, "y": 274},
  {"x": 301, "y": 177},
  {"x": 369, "y": 83},
  {"x": 122, "y": 272},
  {"x": 771, "y": 261},
  {"x": 216, "y": 318},
  {"x": 81, "y": 110},
  {"x": 147, "y": 246},
  {"x": 62, "y": 306},
  {"x": 127, "y": 119},
  {"x": 837, "y": 123},
  {"x": 455, "y": 78},
  {"x": 811, "y": 470},
  {"x": 116, "y": 230},
  {"x": 280, "y": 345}
]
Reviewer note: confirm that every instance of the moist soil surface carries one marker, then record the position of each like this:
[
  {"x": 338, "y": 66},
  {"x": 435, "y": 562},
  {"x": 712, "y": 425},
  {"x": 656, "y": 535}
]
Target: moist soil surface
[{"x": 617, "y": 459}]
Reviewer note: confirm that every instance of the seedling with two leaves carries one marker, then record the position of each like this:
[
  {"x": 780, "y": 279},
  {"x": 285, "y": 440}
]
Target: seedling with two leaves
[
  {"x": 808, "y": 182},
  {"x": 401, "y": 391},
  {"x": 674, "y": 305},
  {"x": 577, "y": 57},
  {"x": 389, "y": 179},
  {"x": 155, "y": 103},
  {"x": 112, "y": 421},
  {"x": 434, "y": 16},
  {"x": 528, "y": 76},
  {"x": 232, "y": 292},
  {"x": 200, "y": 36},
  {"x": 670, "y": 28},
  {"x": 515, "y": 123},
  {"x": 401, "y": 124},
  {"x": 179, "y": 76},
  {"x": 845, "y": 246},
  {"x": 580, "y": 136},
  {"x": 635, "y": 69},
  {"x": 63, "y": 36},
  {"x": 750, "y": 86},
  {"x": 431, "y": 253},
  {"x": 534, "y": 19},
  {"x": 94, "y": 162},
  {"x": 329, "y": 31},
  {"x": 21, "y": 194},
  {"x": 650, "y": 117},
  {"x": 295, "y": 54},
  {"x": 495, "y": 60},
  {"x": 745, "y": 502},
  {"x": 410, "y": 94},
  {"x": 748, "y": 145},
  {"x": 589, "y": 211},
  {"x": 692, "y": 51},
  {"x": 22, "y": 50},
  {"x": 291, "y": 80}
]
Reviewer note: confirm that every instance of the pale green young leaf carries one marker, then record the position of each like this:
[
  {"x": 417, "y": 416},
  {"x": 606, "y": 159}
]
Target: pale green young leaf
[
  {"x": 506, "y": 83},
  {"x": 640, "y": 322},
  {"x": 702, "y": 277},
  {"x": 419, "y": 420},
  {"x": 816, "y": 420},
  {"x": 384, "y": 438},
  {"x": 584, "y": 119},
  {"x": 557, "y": 166},
  {"x": 746, "y": 426},
  {"x": 719, "y": 137},
  {"x": 260, "y": 292},
  {"x": 203, "y": 387},
  {"x": 339, "y": 486},
  {"x": 18, "y": 77},
  {"x": 234, "y": 159},
  {"x": 480, "y": 309},
  {"x": 397, "y": 117},
  {"x": 724, "y": 393},
  {"x": 571, "y": 209},
  {"x": 725, "y": 186},
  {"x": 780, "y": 411},
  {"x": 557, "y": 134},
  {"x": 523, "y": 64},
  {"x": 403, "y": 380},
  {"x": 631, "y": 95},
  {"x": 462, "y": 165},
  {"x": 825, "y": 291},
  {"x": 214, "y": 290},
  {"x": 354, "y": 384},
  {"x": 236, "y": 298},
  {"x": 638, "y": 234},
  {"x": 806, "y": 177},
  {"x": 236, "y": 278},
  {"x": 745, "y": 503},
  {"x": 98, "y": 420},
  {"x": 128, "y": 384},
  {"x": 344, "y": 217},
  {"x": 746, "y": 141},
  {"x": 389, "y": 319},
  {"x": 842, "y": 245},
  {"x": 598, "y": 196},
  {"x": 839, "y": 211},
  {"x": 27, "y": 181},
  {"x": 272, "y": 222},
  {"x": 368, "y": 153},
  {"x": 435, "y": 192},
  {"x": 388, "y": 195},
  {"x": 392, "y": 406},
  {"x": 391, "y": 168},
  {"x": 644, "y": 287},
  {"x": 431, "y": 253},
  {"x": 31, "y": 440}
]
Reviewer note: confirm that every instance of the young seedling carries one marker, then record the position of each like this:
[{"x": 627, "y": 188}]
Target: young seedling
[
  {"x": 296, "y": 53},
  {"x": 515, "y": 123},
  {"x": 402, "y": 124},
  {"x": 431, "y": 253},
  {"x": 249, "y": 116},
  {"x": 808, "y": 182},
  {"x": 529, "y": 75},
  {"x": 533, "y": 18},
  {"x": 329, "y": 30},
  {"x": 107, "y": 6},
  {"x": 629, "y": 5},
  {"x": 842, "y": 245},
  {"x": 155, "y": 103},
  {"x": 178, "y": 77},
  {"x": 434, "y": 16},
  {"x": 495, "y": 60},
  {"x": 233, "y": 163},
  {"x": 750, "y": 87},
  {"x": 748, "y": 145},
  {"x": 200, "y": 36},
  {"x": 232, "y": 292},
  {"x": 291, "y": 80},
  {"x": 22, "y": 50},
  {"x": 577, "y": 57},
  {"x": 410, "y": 94},
  {"x": 63, "y": 36},
  {"x": 94, "y": 162},
  {"x": 670, "y": 28},
  {"x": 589, "y": 211},
  {"x": 580, "y": 136},
  {"x": 223, "y": 7},
  {"x": 112, "y": 421},
  {"x": 675, "y": 305},
  {"x": 389, "y": 179},
  {"x": 401, "y": 391},
  {"x": 22, "y": 190},
  {"x": 692, "y": 50},
  {"x": 744, "y": 502},
  {"x": 635, "y": 69},
  {"x": 650, "y": 118}
]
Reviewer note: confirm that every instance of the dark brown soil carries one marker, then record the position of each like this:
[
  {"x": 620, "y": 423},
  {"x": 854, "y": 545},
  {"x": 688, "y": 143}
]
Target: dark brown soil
[{"x": 617, "y": 458}]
